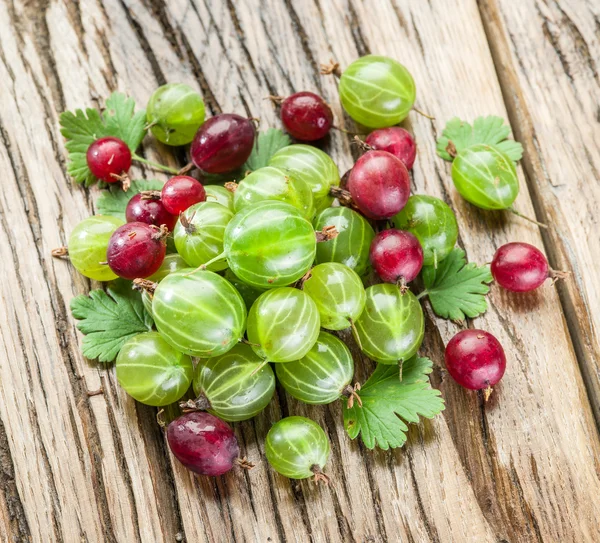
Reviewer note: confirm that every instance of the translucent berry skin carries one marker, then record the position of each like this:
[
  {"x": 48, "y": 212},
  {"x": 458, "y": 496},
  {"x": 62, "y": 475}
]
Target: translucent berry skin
[
  {"x": 203, "y": 443},
  {"x": 379, "y": 184},
  {"x": 181, "y": 192},
  {"x": 149, "y": 211},
  {"x": 223, "y": 143},
  {"x": 396, "y": 255},
  {"x": 136, "y": 250},
  {"x": 306, "y": 116},
  {"x": 108, "y": 159},
  {"x": 519, "y": 267},
  {"x": 394, "y": 140},
  {"x": 475, "y": 359}
]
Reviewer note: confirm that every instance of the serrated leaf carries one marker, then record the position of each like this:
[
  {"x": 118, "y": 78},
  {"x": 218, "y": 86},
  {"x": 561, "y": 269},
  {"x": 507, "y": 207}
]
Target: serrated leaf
[
  {"x": 82, "y": 127},
  {"x": 265, "y": 146},
  {"x": 123, "y": 122},
  {"x": 489, "y": 130},
  {"x": 109, "y": 319},
  {"x": 113, "y": 201},
  {"x": 457, "y": 289},
  {"x": 388, "y": 404}
]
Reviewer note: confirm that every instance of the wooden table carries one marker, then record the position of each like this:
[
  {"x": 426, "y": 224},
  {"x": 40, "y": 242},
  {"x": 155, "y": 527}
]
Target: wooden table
[{"x": 524, "y": 467}]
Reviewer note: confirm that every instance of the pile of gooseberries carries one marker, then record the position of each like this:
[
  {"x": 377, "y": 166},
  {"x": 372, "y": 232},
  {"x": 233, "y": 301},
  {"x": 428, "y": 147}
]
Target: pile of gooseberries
[{"x": 266, "y": 271}]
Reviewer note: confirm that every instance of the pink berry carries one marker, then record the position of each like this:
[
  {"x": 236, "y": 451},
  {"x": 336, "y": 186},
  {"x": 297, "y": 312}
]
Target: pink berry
[
  {"x": 136, "y": 249},
  {"x": 475, "y": 359},
  {"x": 394, "y": 140},
  {"x": 149, "y": 209},
  {"x": 306, "y": 116},
  {"x": 108, "y": 159},
  {"x": 223, "y": 143},
  {"x": 396, "y": 256},
  {"x": 519, "y": 267},
  {"x": 203, "y": 443},
  {"x": 181, "y": 192},
  {"x": 379, "y": 184}
]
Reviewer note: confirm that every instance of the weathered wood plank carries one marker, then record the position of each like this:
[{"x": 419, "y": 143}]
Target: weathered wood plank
[
  {"x": 547, "y": 55},
  {"x": 521, "y": 468}
]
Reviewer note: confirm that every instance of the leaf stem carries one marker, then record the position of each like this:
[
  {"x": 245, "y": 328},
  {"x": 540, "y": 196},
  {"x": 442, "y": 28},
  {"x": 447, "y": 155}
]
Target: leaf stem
[
  {"x": 540, "y": 224},
  {"x": 155, "y": 165},
  {"x": 421, "y": 294}
]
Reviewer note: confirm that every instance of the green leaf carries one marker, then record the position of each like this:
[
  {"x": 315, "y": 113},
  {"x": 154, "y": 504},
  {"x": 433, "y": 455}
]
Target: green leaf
[
  {"x": 489, "y": 130},
  {"x": 109, "y": 319},
  {"x": 123, "y": 122},
  {"x": 266, "y": 145},
  {"x": 388, "y": 404},
  {"x": 81, "y": 128},
  {"x": 455, "y": 288},
  {"x": 113, "y": 201}
]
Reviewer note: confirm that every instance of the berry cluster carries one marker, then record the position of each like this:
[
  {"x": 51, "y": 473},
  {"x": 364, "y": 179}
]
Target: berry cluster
[{"x": 263, "y": 271}]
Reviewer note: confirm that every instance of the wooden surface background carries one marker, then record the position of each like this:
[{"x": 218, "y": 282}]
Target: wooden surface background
[{"x": 524, "y": 467}]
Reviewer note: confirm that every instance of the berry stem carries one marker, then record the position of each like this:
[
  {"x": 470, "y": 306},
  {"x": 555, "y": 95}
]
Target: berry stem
[
  {"x": 201, "y": 403},
  {"x": 326, "y": 234},
  {"x": 356, "y": 336},
  {"x": 262, "y": 365},
  {"x": 145, "y": 284},
  {"x": 431, "y": 117},
  {"x": 400, "y": 366},
  {"x": 155, "y": 165},
  {"x": 186, "y": 169},
  {"x": 60, "y": 252},
  {"x": 518, "y": 214},
  {"x": 221, "y": 256},
  {"x": 319, "y": 475}
]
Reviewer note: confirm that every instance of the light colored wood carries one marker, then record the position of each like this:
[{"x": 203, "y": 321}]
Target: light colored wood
[
  {"x": 548, "y": 56},
  {"x": 521, "y": 468}
]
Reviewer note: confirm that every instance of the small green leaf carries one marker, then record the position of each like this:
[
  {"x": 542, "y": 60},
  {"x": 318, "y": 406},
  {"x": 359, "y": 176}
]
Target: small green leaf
[
  {"x": 109, "y": 319},
  {"x": 455, "y": 288},
  {"x": 266, "y": 145},
  {"x": 388, "y": 404},
  {"x": 489, "y": 130},
  {"x": 123, "y": 122},
  {"x": 113, "y": 201},
  {"x": 81, "y": 128}
]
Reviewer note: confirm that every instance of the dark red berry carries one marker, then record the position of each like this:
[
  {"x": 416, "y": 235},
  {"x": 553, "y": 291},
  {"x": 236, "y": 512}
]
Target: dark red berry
[
  {"x": 203, "y": 443},
  {"x": 223, "y": 143},
  {"x": 149, "y": 209},
  {"x": 396, "y": 256},
  {"x": 394, "y": 140},
  {"x": 519, "y": 267},
  {"x": 181, "y": 192},
  {"x": 306, "y": 116},
  {"x": 475, "y": 359},
  {"x": 108, "y": 159},
  {"x": 136, "y": 249},
  {"x": 379, "y": 184}
]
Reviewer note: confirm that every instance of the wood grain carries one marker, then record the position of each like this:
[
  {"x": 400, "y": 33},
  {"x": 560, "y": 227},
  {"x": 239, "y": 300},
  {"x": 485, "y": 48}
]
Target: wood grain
[{"x": 521, "y": 468}]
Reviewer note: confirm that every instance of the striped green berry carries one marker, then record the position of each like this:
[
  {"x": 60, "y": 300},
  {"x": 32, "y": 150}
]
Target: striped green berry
[
  {"x": 391, "y": 327},
  {"x": 152, "y": 371},
  {"x": 486, "y": 177},
  {"x": 297, "y": 448},
  {"x": 377, "y": 91},
  {"x": 88, "y": 244},
  {"x": 338, "y": 292},
  {"x": 199, "y": 234},
  {"x": 270, "y": 244},
  {"x": 322, "y": 375},
  {"x": 311, "y": 165},
  {"x": 351, "y": 246},
  {"x": 433, "y": 223},
  {"x": 237, "y": 385},
  {"x": 199, "y": 312},
  {"x": 220, "y": 195},
  {"x": 271, "y": 183},
  {"x": 283, "y": 324}
]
